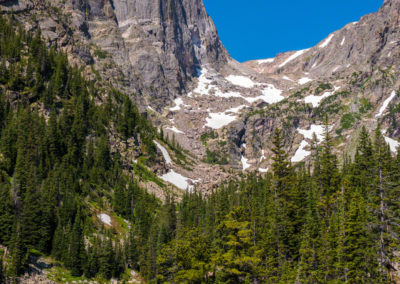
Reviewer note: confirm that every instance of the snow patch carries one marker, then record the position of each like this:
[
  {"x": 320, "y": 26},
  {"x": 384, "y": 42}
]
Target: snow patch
[
  {"x": 304, "y": 80},
  {"x": 174, "y": 129},
  {"x": 241, "y": 81},
  {"x": 343, "y": 40},
  {"x": 262, "y": 156},
  {"x": 178, "y": 180},
  {"x": 106, "y": 219},
  {"x": 393, "y": 144},
  {"x": 261, "y": 170},
  {"x": 316, "y": 100},
  {"x": 314, "y": 65},
  {"x": 317, "y": 129},
  {"x": 335, "y": 69},
  {"x": 287, "y": 78},
  {"x": 164, "y": 152},
  {"x": 245, "y": 163},
  {"x": 301, "y": 153},
  {"x": 262, "y": 61},
  {"x": 270, "y": 95},
  {"x": 219, "y": 120},
  {"x": 385, "y": 104},
  {"x": 178, "y": 103},
  {"x": 235, "y": 109},
  {"x": 327, "y": 41},
  {"x": 228, "y": 95},
  {"x": 292, "y": 57}
]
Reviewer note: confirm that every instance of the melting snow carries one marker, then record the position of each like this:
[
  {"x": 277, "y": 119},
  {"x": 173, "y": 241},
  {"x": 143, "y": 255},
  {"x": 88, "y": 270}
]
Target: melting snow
[
  {"x": 203, "y": 84},
  {"x": 335, "y": 69},
  {"x": 219, "y": 120},
  {"x": 304, "y": 80},
  {"x": 164, "y": 151},
  {"x": 316, "y": 100},
  {"x": 178, "y": 102},
  {"x": 343, "y": 40},
  {"x": 245, "y": 163},
  {"x": 241, "y": 81},
  {"x": 262, "y": 156},
  {"x": 314, "y": 65},
  {"x": 235, "y": 109},
  {"x": 292, "y": 57},
  {"x": 262, "y": 61},
  {"x": 261, "y": 170},
  {"x": 178, "y": 180},
  {"x": 327, "y": 41},
  {"x": 287, "y": 78},
  {"x": 393, "y": 144},
  {"x": 220, "y": 94},
  {"x": 270, "y": 95},
  {"x": 385, "y": 104},
  {"x": 301, "y": 153},
  {"x": 106, "y": 219},
  {"x": 317, "y": 129},
  {"x": 176, "y": 130}
]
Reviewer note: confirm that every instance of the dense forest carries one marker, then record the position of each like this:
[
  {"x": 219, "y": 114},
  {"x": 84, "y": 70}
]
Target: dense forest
[{"x": 317, "y": 222}]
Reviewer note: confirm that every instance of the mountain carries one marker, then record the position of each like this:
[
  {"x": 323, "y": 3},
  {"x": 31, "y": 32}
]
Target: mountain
[
  {"x": 133, "y": 146},
  {"x": 152, "y": 45}
]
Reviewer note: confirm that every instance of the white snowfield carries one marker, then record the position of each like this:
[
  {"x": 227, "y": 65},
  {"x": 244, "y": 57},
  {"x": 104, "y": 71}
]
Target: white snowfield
[
  {"x": 270, "y": 95},
  {"x": 292, "y": 57},
  {"x": 164, "y": 151},
  {"x": 106, "y": 219},
  {"x": 245, "y": 163},
  {"x": 327, "y": 41},
  {"x": 287, "y": 78},
  {"x": 205, "y": 87},
  {"x": 301, "y": 153},
  {"x": 343, "y": 40},
  {"x": 179, "y": 180},
  {"x": 178, "y": 103},
  {"x": 317, "y": 129},
  {"x": 385, "y": 104},
  {"x": 316, "y": 100},
  {"x": 241, "y": 81},
  {"x": 268, "y": 60},
  {"x": 176, "y": 130},
  {"x": 393, "y": 144},
  {"x": 304, "y": 80},
  {"x": 261, "y": 170},
  {"x": 219, "y": 120}
]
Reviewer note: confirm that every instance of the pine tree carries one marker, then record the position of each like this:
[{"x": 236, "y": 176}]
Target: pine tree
[
  {"x": 76, "y": 247},
  {"x": 237, "y": 259},
  {"x": 18, "y": 253},
  {"x": 2, "y": 274}
]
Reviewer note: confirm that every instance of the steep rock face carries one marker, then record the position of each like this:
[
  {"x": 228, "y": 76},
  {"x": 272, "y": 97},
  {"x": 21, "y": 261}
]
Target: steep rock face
[{"x": 158, "y": 43}]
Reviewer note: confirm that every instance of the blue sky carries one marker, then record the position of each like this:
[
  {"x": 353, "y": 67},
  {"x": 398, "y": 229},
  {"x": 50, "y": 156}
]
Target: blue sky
[{"x": 255, "y": 29}]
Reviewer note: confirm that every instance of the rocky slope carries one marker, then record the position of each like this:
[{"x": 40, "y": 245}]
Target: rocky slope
[
  {"x": 351, "y": 76},
  {"x": 167, "y": 54}
]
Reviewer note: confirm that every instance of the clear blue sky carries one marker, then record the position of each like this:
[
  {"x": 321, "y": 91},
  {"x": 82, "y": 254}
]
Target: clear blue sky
[{"x": 255, "y": 29}]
